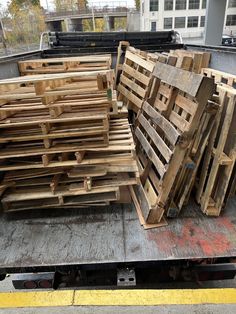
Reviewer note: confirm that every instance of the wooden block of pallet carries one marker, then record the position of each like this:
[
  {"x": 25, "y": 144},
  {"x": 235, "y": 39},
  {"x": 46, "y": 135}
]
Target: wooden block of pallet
[
  {"x": 69, "y": 64},
  {"x": 164, "y": 132},
  {"x": 218, "y": 165}
]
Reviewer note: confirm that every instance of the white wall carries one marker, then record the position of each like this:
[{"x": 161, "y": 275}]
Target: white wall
[{"x": 146, "y": 17}]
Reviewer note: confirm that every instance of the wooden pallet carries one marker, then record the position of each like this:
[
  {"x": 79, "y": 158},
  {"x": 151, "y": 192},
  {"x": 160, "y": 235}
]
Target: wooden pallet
[
  {"x": 135, "y": 80},
  {"x": 164, "y": 133},
  {"x": 54, "y": 92},
  {"x": 119, "y": 154},
  {"x": 187, "y": 177},
  {"x": 191, "y": 60},
  {"x": 69, "y": 64},
  {"x": 219, "y": 161},
  {"x": 86, "y": 123},
  {"x": 56, "y": 188},
  {"x": 220, "y": 77}
]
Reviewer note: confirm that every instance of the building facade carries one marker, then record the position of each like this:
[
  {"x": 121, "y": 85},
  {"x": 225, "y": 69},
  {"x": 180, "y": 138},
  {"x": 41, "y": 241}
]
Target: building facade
[{"x": 186, "y": 16}]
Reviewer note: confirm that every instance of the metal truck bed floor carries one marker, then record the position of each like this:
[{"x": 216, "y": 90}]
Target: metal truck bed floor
[{"x": 112, "y": 235}]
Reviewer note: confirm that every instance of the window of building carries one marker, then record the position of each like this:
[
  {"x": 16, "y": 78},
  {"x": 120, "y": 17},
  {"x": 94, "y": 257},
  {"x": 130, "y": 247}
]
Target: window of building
[
  {"x": 169, "y": 5},
  {"x": 232, "y": 3},
  {"x": 153, "y": 26},
  {"x": 180, "y": 22},
  {"x": 154, "y": 5},
  {"x": 202, "y": 22},
  {"x": 231, "y": 20},
  {"x": 194, "y": 4},
  {"x": 168, "y": 23},
  {"x": 192, "y": 21},
  {"x": 180, "y": 5},
  {"x": 204, "y": 4}
]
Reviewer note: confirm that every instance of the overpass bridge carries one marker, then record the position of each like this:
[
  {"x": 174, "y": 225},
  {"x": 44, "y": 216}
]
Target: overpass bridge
[{"x": 72, "y": 20}]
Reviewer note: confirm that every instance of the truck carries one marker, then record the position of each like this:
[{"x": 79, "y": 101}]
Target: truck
[{"x": 107, "y": 246}]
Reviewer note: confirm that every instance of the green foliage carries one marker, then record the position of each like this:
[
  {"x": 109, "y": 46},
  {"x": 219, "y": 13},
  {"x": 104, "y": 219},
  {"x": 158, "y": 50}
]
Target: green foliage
[
  {"x": 65, "y": 5},
  {"x": 15, "y": 5},
  {"x": 137, "y": 4},
  {"x": 23, "y": 22}
]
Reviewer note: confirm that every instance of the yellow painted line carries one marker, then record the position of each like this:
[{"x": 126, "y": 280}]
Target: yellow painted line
[
  {"x": 36, "y": 299},
  {"x": 117, "y": 298},
  {"x": 154, "y": 297}
]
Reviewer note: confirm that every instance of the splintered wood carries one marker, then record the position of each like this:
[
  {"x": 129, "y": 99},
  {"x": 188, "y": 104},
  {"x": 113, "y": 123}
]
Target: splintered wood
[
  {"x": 65, "y": 142},
  {"x": 59, "y": 65},
  {"x": 166, "y": 133}
]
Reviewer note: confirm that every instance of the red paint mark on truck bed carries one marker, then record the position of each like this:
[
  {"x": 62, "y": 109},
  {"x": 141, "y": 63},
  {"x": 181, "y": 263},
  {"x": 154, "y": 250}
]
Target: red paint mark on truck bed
[{"x": 210, "y": 239}]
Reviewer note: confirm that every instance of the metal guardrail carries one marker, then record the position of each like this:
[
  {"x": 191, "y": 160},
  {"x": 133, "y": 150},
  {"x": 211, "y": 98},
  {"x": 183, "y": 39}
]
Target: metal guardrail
[{"x": 94, "y": 10}]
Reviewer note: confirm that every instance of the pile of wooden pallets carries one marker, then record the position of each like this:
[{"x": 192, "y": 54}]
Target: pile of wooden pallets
[
  {"x": 136, "y": 77},
  {"x": 166, "y": 134},
  {"x": 70, "y": 64},
  {"x": 63, "y": 142}
]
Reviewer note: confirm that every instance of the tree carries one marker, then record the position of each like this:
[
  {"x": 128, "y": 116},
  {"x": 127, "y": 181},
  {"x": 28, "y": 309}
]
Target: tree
[
  {"x": 22, "y": 4},
  {"x": 25, "y": 22},
  {"x": 137, "y": 4},
  {"x": 65, "y": 5}
]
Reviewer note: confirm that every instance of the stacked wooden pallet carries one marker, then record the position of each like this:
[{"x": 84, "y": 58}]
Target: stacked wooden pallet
[
  {"x": 61, "y": 144},
  {"x": 217, "y": 179},
  {"x": 189, "y": 60},
  {"x": 60, "y": 65},
  {"x": 167, "y": 135}
]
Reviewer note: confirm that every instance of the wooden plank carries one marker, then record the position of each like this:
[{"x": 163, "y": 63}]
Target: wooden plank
[
  {"x": 133, "y": 86},
  {"x": 148, "y": 65},
  {"x": 171, "y": 75},
  {"x": 150, "y": 152},
  {"x": 131, "y": 97},
  {"x": 136, "y": 74},
  {"x": 170, "y": 132},
  {"x": 155, "y": 137}
]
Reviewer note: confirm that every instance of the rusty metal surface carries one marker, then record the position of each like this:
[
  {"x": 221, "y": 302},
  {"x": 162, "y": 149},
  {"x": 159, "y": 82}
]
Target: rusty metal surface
[{"x": 108, "y": 235}]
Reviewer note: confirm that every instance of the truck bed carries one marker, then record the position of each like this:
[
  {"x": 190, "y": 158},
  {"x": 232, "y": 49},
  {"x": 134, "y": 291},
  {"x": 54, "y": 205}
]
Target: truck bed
[{"x": 112, "y": 235}]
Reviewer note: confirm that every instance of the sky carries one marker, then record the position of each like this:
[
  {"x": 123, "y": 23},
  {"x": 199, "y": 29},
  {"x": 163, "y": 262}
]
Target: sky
[{"x": 50, "y": 2}]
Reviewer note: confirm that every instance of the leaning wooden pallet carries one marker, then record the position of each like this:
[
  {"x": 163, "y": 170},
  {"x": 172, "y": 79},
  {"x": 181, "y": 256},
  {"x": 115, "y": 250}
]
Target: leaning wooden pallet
[
  {"x": 228, "y": 80},
  {"x": 220, "y": 156},
  {"x": 165, "y": 130},
  {"x": 135, "y": 80},
  {"x": 69, "y": 64},
  {"x": 187, "y": 177}
]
